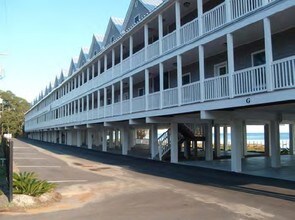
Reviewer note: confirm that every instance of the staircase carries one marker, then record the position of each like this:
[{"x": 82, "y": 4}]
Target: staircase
[{"x": 185, "y": 133}]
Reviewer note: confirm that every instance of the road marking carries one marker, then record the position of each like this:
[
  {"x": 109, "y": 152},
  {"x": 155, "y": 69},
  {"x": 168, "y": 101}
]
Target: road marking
[
  {"x": 67, "y": 181},
  {"x": 22, "y": 158},
  {"x": 39, "y": 166}
]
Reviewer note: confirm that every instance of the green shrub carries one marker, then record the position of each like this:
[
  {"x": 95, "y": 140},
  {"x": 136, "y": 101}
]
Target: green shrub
[
  {"x": 1, "y": 193},
  {"x": 28, "y": 184}
]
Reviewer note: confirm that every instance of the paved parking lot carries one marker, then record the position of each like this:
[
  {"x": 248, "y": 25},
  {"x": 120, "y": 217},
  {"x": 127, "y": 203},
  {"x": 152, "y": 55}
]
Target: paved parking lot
[{"x": 119, "y": 187}]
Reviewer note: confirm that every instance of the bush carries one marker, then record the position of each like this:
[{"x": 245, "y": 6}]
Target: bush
[{"x": 28, "y": 184}]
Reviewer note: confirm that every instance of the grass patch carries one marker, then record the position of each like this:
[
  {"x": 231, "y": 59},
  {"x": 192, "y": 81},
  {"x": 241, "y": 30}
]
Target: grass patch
[{"x": 28, "y": 184}]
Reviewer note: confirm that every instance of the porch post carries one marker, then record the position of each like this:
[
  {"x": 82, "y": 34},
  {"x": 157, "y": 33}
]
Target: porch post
[
  {"x": 208, "y": 142},
  {"x": 98, "y": 67},
  {"x": 105, "y": 99},
  {"x": 231, "y": 63},
  {"x": 70, "y": 138},
  {"x": 147, "y": 83},
  {"x": 177, "y": 21},
  {"x": 125, "y": 139},
  {"x": 105, "y": 63},
  {"x": 131, "y": 49},
  {"x": 89, "y": 138},
  {"x": 268, "y": 54},
  {"x": 113, "y": 98},
  {"x": 174, "y": 143},
  {"x": 266, "y": 140},
  {"x": 292, "y": 138},
  {"x": 79, "y": 141},
  {"x": 202, "y": 72},
  {"x": 236, "y": 142},
  {"x": 275, "y": 143},
  {"x": 217, "y": 140},
  {"x": 179, "y": 78},
  {"x": 121, "y": 56},
  {"x": 146, "y": 41},
  {"x": 160, "y": 28},
  {"x": 121, "y": 96},
  {"x": 104, "y": 139},
  {"x": 154, "y": 140},
  {"x": 161, "y": 72},
  {"x": 228, "y": 10},
  {"x": 131, "y": 92},
  {"x": 200, "y": 16}
]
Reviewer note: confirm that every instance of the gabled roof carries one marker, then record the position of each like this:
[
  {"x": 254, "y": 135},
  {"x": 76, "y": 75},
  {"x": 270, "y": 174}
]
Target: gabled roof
[
  {"x": 117, "y": 23},
  {"x": 83, "y": 57},
  {"x": 73, "y": 65},
  {"x": 150, "y": 5},
  {"x": 96, "y": 45}
]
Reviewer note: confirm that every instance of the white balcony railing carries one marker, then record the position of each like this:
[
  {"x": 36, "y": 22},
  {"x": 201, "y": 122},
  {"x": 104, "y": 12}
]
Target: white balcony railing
[
  {"x": 138, "y": 104},
  {"x": 126, "y": 65},
  {"x": 170, "y": 97},
  {"x": 214, "y": 18},
  {"x": 117, "y": 109},
  {"x": 284, "y": 73},
  {"x": 154, "y": 101},
  {"x": 108, "y": 111},
  {"x": 248, "y": 81},
  {"x": 117, "y": 70},
  {"x": 153, "y": 50},
  {"x": 216, "y": 87},
  {"x": 138, "y": 58},
  {"x": 242, "y": 7},
  {"x": 191, "y": 93},
  {"x": 189, "y": 31},
  {"x": 101, "y": 112},
  {"x": 126, "y": 107},
  {"x": 169, "y": 41}
]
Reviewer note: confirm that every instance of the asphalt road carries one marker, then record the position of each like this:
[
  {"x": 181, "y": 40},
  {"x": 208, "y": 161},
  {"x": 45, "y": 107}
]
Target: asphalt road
[{"x": 118, "y": 187}]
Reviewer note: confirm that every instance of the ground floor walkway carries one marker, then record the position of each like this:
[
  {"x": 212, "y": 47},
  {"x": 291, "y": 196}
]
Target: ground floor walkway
[{"x": 257, "y": 166}]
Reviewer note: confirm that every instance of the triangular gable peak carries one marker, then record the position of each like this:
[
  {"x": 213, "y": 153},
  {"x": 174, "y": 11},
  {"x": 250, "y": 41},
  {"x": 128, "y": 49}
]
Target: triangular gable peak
[
  {"x": 113, "y": 30},
  {"x": 137, "y": 10},
  {"x": 83, "y": 57},
  {"x": 73, "y": 66},
  {"x": 61, "y": 77},
  {"x": 96, "y": 45}
]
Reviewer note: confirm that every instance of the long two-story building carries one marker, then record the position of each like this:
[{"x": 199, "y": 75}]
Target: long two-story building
[{"x": 186, "y": 68}]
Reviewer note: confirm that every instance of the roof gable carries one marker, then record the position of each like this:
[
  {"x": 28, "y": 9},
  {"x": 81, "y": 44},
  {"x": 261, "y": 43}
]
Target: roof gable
[
  {"x": 73, "y": 66},
  {"x": 113, "y": 30},
  {"x": 83, "y": 57},
  {"x": 96, "y": 45},
  {"x": 139, "y": 8}
]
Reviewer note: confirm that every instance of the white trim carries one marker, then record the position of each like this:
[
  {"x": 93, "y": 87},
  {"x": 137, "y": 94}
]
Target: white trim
[
  {"x": 218, "y": 66},
  {"x": 253, "y": 54}
]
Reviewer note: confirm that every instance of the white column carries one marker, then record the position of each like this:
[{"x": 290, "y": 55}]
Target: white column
[
  {"x": 208, "y": 142},
  {"x": 292, "y": 138},
  {"x": 121, "y": 95},
  {"x": 105, "y": 62},
  {"x": 113, "y": 98},
  {"x": 111, "y": 141},
  {"x": 70, "y": 138},
  {"x": 200, "y": 16},
  {"x": 202, "y": 71},
  {"x": 98, "y": 99},
  {"x": 266, "y": 140},
  {"x": 179, "y": 78},
  {"x": 147, "y": 83},
  {"x": 228, "y": 10},
  {"x": 174, "y": 142},
  {"x": 83, "y": 77},
  {"x": 121, "y": 56},
  {"x": 60, "y": 136},
  {"x": 98, "y": 67},
  {"x": 125, "y": 140},
  {"x": 161, "y": 73},
  {"x": 116, "y": 138},
  {"x": 104, "y": 139},
  {"x": 268, "y": 53},
  {"x": 87, "y": 72},
  {"x": 105, "y": 99},
  {"x": 225, "y": 140},
  {"x": 244, "y": 144},
  {"x": 93, "y": 70},
  {"x": 275, "y": 144},
  {"x": 154, "y": 140},
  {"x": 87, "y": 104},
  {"x": 146, "y": 41},
  {"x": 131, "y": 92},
  {"x": 177, "y": 21},
  {"x": 113, "y": 58},
  {"x": 160, "y": 28},
  {"x": 217, "y": 140},
  {"x": 89, "y": 139},
  {"x": 236, "y": 142},
  {"x": 131, "y": 50},
  {"x": 231, "y": 63},
  {"x": 79, "y": 140}
]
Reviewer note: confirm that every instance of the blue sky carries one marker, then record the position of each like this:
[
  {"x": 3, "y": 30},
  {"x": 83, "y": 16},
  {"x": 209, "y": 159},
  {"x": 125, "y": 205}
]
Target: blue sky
[{"x": 40, "y": 37}]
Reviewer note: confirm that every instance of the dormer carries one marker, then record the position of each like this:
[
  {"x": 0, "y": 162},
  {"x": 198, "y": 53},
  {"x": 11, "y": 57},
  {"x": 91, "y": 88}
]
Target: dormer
[
  {"x": 113, "y": 30},
  {"x": 96, "y": 45},
  {"x": 137, "y": 10},
  {"x": 83, "y": 57}
]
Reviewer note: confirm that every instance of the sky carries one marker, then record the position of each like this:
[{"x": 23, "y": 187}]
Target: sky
[{"x": 39, "y": 38}]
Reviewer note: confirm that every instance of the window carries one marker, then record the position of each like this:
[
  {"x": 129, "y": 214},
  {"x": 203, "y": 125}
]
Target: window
[
  {"x": 220, "y": 69},
  {"x": 258, "y": 58},
  {"x": 112, "y": 39},
  {"x": 140, "y": 91},
  {"x": 125, "y": 96},
  {"x": 136, "y": 19},
  {"x": 186, "y": 78}
]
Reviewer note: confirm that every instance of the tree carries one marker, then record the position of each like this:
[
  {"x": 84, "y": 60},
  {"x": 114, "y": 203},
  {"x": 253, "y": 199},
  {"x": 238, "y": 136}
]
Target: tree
[{"x": 12, "y": 117}]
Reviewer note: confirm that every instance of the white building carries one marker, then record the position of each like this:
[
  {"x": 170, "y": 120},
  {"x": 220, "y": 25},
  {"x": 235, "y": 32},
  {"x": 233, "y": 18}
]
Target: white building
[{"x": 181, "y": 65}]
